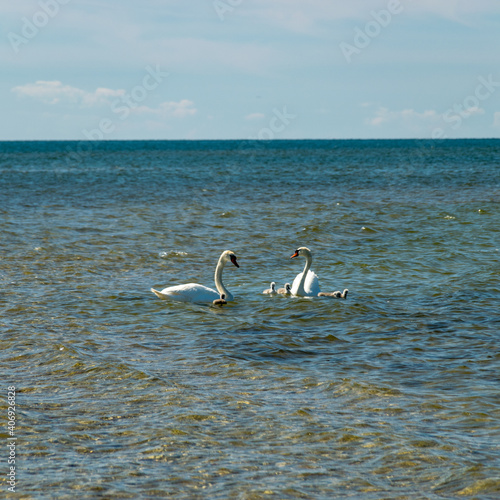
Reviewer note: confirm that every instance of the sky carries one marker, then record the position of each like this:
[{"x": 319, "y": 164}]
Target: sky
[{"x": 249, "y": 69}]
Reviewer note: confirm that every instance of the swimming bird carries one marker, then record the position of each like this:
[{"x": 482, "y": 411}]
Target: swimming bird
[
  {"x": 337, "y": 294},
  {"x": 305, "y": 284},
  {"x": 285, "y": 291},
  {"x": 192, "y": 292},
  {"x": 220, "y": 302},
  {"x": 272, "y": 290}
]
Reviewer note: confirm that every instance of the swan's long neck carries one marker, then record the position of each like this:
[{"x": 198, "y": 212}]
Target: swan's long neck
[
  {"x": 218, "y": 280},
  {"x": 301, "y": 290}
]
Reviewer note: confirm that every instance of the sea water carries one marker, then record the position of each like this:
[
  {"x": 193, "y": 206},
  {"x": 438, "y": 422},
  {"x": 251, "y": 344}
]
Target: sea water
[{"x": 391, "y": 393}]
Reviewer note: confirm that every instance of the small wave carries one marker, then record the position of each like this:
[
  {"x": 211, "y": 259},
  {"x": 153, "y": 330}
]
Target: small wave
[{"x": 172, "y": 253}]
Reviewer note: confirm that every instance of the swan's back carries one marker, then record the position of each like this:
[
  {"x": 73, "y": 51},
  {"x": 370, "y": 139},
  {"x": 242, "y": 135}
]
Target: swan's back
[{"x": 191, "y": 292}]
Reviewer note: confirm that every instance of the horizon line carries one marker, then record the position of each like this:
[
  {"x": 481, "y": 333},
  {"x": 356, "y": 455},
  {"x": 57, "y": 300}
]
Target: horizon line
[{"x": 266, "y": 141}]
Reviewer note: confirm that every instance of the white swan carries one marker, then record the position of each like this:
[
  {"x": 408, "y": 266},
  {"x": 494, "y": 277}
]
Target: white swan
[
  {"x": 272, "y": 290},
  {"x": 285, "y": 291},
  {"x": 192, "y": 292},
  {"x": 305, "y": 284},
  {"x": 337, "y": 294}
]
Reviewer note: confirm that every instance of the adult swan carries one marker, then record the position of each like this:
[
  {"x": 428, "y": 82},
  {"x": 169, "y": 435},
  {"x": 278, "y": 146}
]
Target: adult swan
[
  {"x": 192, "y": 292},
  {"x": 305, "y": 284}
]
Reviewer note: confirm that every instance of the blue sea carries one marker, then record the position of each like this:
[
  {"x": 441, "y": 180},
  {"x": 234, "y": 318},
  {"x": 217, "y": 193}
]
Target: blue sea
[{"x": 393, "y": 393}]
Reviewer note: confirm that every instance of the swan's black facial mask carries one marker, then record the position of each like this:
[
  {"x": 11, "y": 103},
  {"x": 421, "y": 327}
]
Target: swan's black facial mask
[{"x": 233, "y": 260}]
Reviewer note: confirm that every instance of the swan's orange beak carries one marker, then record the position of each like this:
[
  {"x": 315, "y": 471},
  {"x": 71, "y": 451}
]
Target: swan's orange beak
[
  {"x": 233, "y": 260},
  {"x": 296, "y": 254}
]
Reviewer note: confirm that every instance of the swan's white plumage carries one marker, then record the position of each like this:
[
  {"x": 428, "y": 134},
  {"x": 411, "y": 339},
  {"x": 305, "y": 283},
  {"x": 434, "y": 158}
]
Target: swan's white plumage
[
  {"x": 190, "y": 292},
  {"x": 193, "y": 292},
  {"x": 311, "y": 284},
  {"x": 305, "y": 284}
]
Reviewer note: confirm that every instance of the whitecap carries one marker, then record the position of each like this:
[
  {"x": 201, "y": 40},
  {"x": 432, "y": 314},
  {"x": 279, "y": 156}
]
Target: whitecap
[{"x": 172, "y": 253}]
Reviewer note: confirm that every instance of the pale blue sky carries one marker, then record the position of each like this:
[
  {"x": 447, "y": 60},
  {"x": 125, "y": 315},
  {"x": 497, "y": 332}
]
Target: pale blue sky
[{"x": 228, "y": 69}]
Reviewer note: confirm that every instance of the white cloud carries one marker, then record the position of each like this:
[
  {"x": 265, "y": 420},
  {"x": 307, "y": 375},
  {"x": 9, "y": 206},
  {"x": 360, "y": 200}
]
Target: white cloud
[
  {"x": 412, "y": 123},
  {"x": 474, "y": 110},
  {"x": 409, "y": 117},
  {"x": 412, "y": 118},
  {"x": 55, "y": 92},
  {"x": 496, "y": 119},
  {"x": 454, "y": 10},
  {"x": 406, "y": 122},
  {"x": 301, "y": 17},
  {"x": 255, "y": 116},
  {"x": 166, "y": 109}
]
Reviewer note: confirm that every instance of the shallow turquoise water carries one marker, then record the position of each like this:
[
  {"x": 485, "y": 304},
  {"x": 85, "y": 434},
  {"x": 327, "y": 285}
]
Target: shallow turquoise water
[{"x": 392, "y": 393}]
